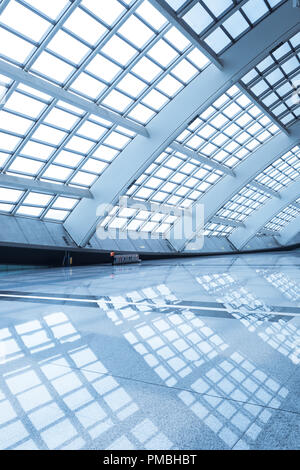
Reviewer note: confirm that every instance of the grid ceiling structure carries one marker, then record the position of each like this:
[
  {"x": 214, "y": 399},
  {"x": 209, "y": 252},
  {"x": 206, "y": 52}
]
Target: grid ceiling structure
[{"x": 80, "y": 80}]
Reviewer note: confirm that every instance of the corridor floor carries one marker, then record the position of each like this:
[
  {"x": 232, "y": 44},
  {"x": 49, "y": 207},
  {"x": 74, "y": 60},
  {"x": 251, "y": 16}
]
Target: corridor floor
[{"x": 198, "y": 353}]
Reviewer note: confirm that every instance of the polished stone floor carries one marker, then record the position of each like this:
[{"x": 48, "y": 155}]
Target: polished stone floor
[{"x": 199, "y": 353}]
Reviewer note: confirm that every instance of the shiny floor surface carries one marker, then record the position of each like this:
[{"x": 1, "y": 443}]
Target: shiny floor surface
[{"x": 199, "y": 353}]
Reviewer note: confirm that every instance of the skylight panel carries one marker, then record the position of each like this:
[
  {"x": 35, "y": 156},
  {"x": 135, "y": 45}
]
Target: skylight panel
[
  {"x": 51, "y": 67},
  {"x": 141, "y": 114},
  {"x": 136, "y": 32},
  {"x": 103, "y": 68},
  {"x": 163, "y": 53},
  {"x": 176, "y": 4},
  {"x": 6, "y": 207},
  {"x": 29, "y": 211},
  {"x": 218, "y": 40},
  {"x": 49, "y": 135},
  {"x": 169, "y": 85},
  {"x": 37, "y": 150},
  {"x": 198, "y": 18},
  {"x": 83, "y": 179},
  {"x": 51, "y": 9},
  {"x": 219, "y": 7},
  {"x": 68, "y": 158},
  {"x": 10, "y": 195},
  {"x": 37, "y": 199},
  {"x": 119, "y": 50},
  {"x": 117, "y": 101},
  {"x": 60, "y": 118},
  {"x": 184, "y": 71},
  {"x": 85, "y": 26},
  {"x": 65, "y": 203},
  {"x": 116, "y": 140},
  {"x": 24, "y": 21},
  {"x": 95, "y": 166},
  {"x": 107, "y": 11},
  {"x": 13, "y": 123},
  {"x": 88, "y": 86},
  {"x": 13, "y": 47},
  {"x": 58, "y": 215},
  {"x": 255, "y": 10},
  {"x": 151, "y": 15},
  {"x": 24, "y": 104},
  {"x": 91, "y": 130},
  {"x": 198, "y": 58},
  {"x": 155, "y": 99},
  {"x": 25, "y": 166},
  {"x": 147, "y": 69},
  {"x": 68, "y": 47},
  {"x": 236, "y": 25},
  {"x": 8, "y": 142},
  {"x": 177, "y": 39},
  {"x": 79, "y": 144},
  {"x": 105, "y": 153},
  {"x": 56, "y": 172}
]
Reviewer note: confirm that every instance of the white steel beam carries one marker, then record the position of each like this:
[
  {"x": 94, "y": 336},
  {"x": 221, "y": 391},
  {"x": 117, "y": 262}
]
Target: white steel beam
[
  {"x": 201, "y": 158},
  {"x": 245, "y": 173},
  {"x": 19, "y": 75},
  {"x": 149, "y": 206},
  {"x": 265, "y": 189},
  {"x": 229, "y": 223},
  {"x": 16, "y": 182},
  {"x": 3, "y": 5},
  {"x": 259, "y": 218},
  {"x": 175, "y": 117}
]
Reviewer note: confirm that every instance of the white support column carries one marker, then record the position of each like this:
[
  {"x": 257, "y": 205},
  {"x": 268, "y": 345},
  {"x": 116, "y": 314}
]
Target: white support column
[
  {"x": 257, "y": 220},
  {"x": 174, "y": 118},
  {"x": 246, "y": 171}
]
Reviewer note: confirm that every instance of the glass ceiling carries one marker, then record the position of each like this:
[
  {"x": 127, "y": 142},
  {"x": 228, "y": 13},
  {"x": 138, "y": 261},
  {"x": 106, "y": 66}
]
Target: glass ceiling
[
  {"x": 226, "y": 132},
  {"x": 275, "y": 81},
  {"x": 125, "y": 56},
  {"x": 277, "y": 223},
  {"x": 122, "y": 54},
  {"x": 240, "y": 206},
  {"x": 221, "y": 23},
  {"x": 282, "y": 172},
  {"x": 276, "y": 176}
]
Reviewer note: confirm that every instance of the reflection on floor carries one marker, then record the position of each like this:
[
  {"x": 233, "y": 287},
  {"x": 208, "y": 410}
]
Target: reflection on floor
[{"x": 200, "y": 353}]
